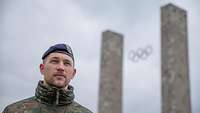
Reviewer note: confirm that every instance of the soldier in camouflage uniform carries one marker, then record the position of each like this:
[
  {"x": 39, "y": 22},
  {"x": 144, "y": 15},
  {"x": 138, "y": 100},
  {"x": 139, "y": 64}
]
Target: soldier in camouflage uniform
[{"x": 53, "y": 94}]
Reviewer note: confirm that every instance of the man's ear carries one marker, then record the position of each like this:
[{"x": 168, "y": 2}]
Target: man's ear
[
  {"x": 42, "y": 68},
  {"x": 74, "y": 73}
]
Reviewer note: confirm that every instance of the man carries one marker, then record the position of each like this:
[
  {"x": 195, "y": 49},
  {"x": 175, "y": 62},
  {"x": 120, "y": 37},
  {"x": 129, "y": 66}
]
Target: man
[{"x": 54, "y": 94}]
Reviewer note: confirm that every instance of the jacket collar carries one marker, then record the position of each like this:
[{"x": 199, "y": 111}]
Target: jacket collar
[{"x": 53, "y": 95}]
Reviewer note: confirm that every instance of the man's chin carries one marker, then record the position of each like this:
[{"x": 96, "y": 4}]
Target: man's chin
[{"x": 60, "y": 84}]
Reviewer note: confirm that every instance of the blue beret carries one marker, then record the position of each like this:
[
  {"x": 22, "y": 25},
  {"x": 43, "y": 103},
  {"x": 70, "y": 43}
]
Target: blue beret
[{"x": 61, "y": 48}]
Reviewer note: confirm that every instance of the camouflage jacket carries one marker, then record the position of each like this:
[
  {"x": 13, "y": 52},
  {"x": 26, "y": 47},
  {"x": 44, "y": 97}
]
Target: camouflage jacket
[{"x": 48, "y": 100}]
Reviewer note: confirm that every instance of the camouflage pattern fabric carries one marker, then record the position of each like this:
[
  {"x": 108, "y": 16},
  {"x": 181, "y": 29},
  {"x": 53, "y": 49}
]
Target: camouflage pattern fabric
[{"x": 48, "y": 100}]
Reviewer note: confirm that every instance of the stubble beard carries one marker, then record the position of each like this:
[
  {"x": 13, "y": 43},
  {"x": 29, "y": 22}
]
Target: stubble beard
[{"x": 57, "y": 83}]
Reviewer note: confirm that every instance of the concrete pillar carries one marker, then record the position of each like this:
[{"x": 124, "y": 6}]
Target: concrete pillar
[
  {"x": 110, "y": 90},
  {"x": 175, "y": 65}
]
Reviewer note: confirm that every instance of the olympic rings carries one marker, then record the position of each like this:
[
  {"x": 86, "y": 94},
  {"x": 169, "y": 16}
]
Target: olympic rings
[{"x": 140, "y": 53}]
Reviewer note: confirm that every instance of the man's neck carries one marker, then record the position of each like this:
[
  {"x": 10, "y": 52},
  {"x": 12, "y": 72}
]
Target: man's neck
[{"x": 49, "y": 85}]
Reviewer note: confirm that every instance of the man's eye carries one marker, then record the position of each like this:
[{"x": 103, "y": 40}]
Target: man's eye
[
  {"x": 54, "y": 61},
  {"x": 67, "y": 64}
]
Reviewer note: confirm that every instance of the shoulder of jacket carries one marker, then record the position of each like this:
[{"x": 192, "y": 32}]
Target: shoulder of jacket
[
  {"x": 20, "y": 105},
  {"x": 80, "y": 108}
]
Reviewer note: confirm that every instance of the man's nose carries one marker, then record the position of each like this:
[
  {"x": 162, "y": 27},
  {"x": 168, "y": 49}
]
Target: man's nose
[{"x": 60, "y": 67}]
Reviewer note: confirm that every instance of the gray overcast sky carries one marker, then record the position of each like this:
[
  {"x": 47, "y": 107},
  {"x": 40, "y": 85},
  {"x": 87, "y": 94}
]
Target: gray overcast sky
[{"x": 29, "y": 27}]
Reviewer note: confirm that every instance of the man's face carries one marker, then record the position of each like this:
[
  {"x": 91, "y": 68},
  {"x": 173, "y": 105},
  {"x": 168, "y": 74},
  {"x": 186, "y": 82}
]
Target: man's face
[{"x": 58, "y": 69}]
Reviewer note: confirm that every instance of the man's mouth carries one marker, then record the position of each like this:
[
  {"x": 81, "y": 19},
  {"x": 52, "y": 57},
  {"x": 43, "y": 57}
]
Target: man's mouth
[{"x": 59, "y": 75}]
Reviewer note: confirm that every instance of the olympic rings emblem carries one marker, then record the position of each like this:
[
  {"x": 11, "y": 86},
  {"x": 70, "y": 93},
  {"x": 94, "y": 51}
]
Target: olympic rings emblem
[{"x": 140, "y": 53}]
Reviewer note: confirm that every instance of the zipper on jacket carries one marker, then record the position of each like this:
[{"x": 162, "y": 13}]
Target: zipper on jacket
[{"x": 57, "y": 97}]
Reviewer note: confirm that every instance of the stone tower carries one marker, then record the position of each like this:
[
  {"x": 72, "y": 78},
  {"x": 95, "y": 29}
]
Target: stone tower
[
  {"x": 175, "y": 65},
  {"x": 110, "y": 89}
]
